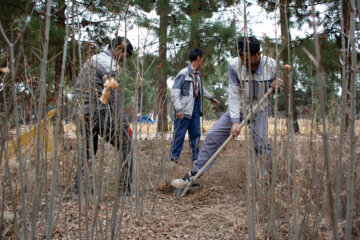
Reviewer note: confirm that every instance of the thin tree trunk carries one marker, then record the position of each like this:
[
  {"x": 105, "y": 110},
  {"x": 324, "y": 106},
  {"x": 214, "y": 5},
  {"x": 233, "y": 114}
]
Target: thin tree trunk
[
  {"x": 6, "y": 174},
  {"x": 194, "y": 24},
  {"x": 249, "y": 154},
  {"x": 13, "y": 69},
  {"x": 58, "y": 61},
  {"x": 293, "y": 126},
  {"x": 17, "y": 126},
  {"x": 339, "y": 166},
  {"x": 50, "y": 226},
  {"x": 289, "y": 86},
  {"x": 43, "y": 69},
  {"x": 351, "y": 177},
  {"x": 322, "y": 102},
  {"x": 119, "y": 154},
  {"x": 164, "y": 10},
  {"x": 346, "y": 22},
  {"x": 273, "y": 225}
]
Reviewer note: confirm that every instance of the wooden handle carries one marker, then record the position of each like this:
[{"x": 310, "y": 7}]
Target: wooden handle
[{"x": 255, "y": 110}]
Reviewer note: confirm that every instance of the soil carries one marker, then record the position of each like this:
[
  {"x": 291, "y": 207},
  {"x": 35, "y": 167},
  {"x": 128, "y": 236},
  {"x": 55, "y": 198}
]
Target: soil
[{"x": 216, "y": 210}]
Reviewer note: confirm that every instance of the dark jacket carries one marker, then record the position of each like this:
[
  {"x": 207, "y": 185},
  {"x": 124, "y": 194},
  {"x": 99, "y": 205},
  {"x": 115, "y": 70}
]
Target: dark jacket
[{"x": 90, "y": 83}]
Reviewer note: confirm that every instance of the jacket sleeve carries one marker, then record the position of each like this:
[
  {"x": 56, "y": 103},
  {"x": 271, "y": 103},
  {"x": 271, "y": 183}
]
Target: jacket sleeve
[
  {"x": 116, "y": 99},
  {"x": 234, "y": 95},
  {"x": 207, "y": 94},
  {"x": 85, "y": 86},
  {"x": 176, "y": 92}
]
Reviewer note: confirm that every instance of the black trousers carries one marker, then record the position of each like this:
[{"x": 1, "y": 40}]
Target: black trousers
[{"x": 103, "y": 125}]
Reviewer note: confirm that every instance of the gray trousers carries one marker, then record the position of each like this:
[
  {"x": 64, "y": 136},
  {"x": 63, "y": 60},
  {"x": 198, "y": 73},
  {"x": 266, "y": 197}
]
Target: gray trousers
[{"x": 221, "y": 131}]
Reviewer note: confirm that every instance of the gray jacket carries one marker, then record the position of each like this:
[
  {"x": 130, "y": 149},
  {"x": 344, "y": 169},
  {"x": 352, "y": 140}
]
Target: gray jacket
[
  {"x": 253, "y": 85},
  {"x": 90, "y": 83},
  {"x": 183, "y": 93}
]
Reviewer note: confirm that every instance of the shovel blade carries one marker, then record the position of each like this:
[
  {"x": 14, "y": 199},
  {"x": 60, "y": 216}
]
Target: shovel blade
[
  {"x": 182, "y": 191},
  {"x": 179, "y": 192}
]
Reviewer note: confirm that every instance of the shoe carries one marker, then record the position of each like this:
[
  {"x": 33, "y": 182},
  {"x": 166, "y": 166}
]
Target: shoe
[
  {"x": 76, "y": 185},
  {"x": 76, "y": 188},
  {"x": 174, "y": 159},
  {"x": 182, "y": 182},
  {"x": 173, "y": 163},
  {"x": 277, "y": 185},
  {"x": 125, "y": 191}
]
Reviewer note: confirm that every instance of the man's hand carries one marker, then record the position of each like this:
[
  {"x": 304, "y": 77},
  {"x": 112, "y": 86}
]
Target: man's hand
[
  {"x": 277, "y": 83},
  {"x": 235, "y": 130},
  {"x": 180, "y": 115},
  {"x": 215, "y": 102},
  {"x": 129, "y": 131}
]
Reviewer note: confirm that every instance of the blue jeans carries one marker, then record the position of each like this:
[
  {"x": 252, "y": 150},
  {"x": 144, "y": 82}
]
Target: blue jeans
[{"x": 180, "y": 127}]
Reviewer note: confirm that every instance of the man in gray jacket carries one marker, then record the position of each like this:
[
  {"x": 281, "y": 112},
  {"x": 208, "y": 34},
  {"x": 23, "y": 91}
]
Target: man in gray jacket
[
  {"x": 187, "y": 96},
  {"x": 248, "y": 81},
  {"x": 102, "y": 117}
]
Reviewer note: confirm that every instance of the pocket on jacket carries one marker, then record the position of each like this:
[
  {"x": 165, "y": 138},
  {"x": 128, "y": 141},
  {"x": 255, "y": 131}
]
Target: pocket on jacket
[{"x": 185, "y": 90}]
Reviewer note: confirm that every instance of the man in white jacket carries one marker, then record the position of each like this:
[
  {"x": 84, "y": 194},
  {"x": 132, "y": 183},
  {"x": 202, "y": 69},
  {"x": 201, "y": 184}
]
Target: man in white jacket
[
  {"x": 251, "y": 79},
  {"x": 187, "y": 96},
  {"x": 103, "y": 119}
]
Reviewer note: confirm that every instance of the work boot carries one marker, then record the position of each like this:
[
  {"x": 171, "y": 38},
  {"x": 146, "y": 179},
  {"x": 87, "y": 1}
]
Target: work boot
[
  {"x": 268, "y": 177},
  {"x": 125, "y": 191},
  {"x": 77, "y": 186},
  {"x": 182, "y": 182}
]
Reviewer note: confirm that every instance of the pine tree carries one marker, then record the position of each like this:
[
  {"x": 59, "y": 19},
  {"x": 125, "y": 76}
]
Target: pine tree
[
  {"x": 163, "y": 10},
  {"x": 289, "y": 84}
]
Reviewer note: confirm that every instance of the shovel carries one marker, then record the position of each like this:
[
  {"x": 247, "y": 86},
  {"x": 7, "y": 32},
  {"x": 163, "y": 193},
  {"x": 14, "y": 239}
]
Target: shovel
[{"x": 182, "y": 191}]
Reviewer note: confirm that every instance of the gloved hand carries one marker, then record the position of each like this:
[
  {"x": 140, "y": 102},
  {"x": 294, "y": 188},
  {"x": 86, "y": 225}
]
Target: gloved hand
[{"x": 129, "y": 131}]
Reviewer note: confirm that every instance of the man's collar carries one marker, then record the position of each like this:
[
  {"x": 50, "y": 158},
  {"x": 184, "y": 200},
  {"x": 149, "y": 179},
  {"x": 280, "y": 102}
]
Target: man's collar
[
  {"x": 108, "y": 52},
  {"x": 190, "y": 70}
]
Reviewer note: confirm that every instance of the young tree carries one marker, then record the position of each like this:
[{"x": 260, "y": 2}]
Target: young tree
[
  {"x": 289, "y": 83},
  {"x": 163, "y": 10}
]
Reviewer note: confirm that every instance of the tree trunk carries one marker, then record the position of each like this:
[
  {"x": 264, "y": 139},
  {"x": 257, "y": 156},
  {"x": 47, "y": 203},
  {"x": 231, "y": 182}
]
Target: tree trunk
[
  {"x": 195, "y": 23},
  {"x": 60, "y": 43},
  {"x": 163, "y": 12},
  {"x": 352, "y": 118},
  {"x": 289, "y": 86},
  {"x": 346, "y": 14}
]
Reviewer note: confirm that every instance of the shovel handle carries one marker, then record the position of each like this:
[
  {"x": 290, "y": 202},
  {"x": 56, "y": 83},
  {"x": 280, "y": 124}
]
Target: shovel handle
[{"x": 254, "y": 111}]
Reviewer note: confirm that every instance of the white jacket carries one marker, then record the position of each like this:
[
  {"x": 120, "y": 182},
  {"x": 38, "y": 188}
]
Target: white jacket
[{"x": 253, "y": 84}]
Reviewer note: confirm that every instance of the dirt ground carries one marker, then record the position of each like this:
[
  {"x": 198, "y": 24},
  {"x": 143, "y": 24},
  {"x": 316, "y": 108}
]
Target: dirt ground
[{"x": 216, "y": 210}]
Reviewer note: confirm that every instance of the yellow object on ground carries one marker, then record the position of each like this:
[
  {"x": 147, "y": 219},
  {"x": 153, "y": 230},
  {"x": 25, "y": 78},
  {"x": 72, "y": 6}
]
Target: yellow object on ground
[{"x": 27, "y": 139}]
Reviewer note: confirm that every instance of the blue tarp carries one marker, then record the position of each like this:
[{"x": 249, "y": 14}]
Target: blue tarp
[{"x": 146, "y": 119}]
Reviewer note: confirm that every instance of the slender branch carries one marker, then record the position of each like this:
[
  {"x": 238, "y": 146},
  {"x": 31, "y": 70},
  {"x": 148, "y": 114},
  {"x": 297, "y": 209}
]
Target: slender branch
[
  {"x": 50, "y": 226},
  {"x": 43, "y": 69},
  {"x": 344, "y": 87},
  {"x": 351, "y": 171},
  {"x": 17, "y": 126},
  {"x": 322, "y": 102}
]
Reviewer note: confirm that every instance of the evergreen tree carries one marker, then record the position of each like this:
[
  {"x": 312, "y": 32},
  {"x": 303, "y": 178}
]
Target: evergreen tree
[
  {"x": 163, "y": 9},
  {"x": 289, "y": 84}
]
